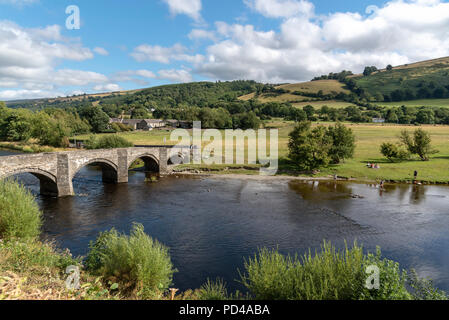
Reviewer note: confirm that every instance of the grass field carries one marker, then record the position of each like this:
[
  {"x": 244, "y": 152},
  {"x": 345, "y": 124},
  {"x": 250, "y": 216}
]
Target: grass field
[
  {"x": 369, "y": 137},
  {"x": 327, "y": 86},
  {"x": 330, "y": 103},
  {"x": 418, "y": 103}
]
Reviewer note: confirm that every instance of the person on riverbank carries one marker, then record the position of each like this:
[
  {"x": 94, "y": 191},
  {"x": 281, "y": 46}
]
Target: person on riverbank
[{"x": 415, "y": 177}]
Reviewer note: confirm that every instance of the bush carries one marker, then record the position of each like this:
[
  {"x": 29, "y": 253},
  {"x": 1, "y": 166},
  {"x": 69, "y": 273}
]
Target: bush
[
  {"x": 327, "y": 275},
  {"x": 393, "y": 152},
  {"x": 20, "y": 217},
  {"x": 137, "y": 262},
  {"x": 107, "y": 142},
  {"x": 214, "y": 291}
]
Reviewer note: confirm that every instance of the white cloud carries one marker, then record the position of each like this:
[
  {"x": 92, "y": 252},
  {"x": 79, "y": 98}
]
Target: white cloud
[
  {"x": 164, "y": 55},
  {"x": 107, "y": 87},
  {"x": 101, "y": 51},
  {"x": 28, "y": 94},
  {"x": 199, "y": 34},
  {"x": 175, "y": 75},
  {"x": 307, "y": 45},
  {"x": 281, "y": 8},
  {"x": 29, "y": 59},
  {"x": 191, "y": 8},
  {"x": 160, "y": 54}
]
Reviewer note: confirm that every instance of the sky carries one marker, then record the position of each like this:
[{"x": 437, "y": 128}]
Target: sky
[{"x": 125, "y": 45}]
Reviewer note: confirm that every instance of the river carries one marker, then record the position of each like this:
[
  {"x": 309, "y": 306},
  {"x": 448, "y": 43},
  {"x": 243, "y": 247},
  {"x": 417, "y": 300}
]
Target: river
[{"x": 211, "y": 224}]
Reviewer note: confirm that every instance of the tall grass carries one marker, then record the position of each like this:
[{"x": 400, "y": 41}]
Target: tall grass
[
  {"x": 20, "y": 217},
  {"x": 327, "y": 275},
  {"x": 213, "y": 291},
  {"x": 137, "y": 262}
]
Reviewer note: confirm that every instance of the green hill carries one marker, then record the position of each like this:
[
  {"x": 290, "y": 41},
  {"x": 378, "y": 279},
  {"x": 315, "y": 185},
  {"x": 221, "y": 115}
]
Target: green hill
[{"x": 422, "y": 80}]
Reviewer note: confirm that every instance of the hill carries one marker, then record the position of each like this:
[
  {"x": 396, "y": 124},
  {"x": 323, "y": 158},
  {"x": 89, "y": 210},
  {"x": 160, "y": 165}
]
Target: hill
[
  {"x": 192, "y": 94},
  {"x": 318, "y": 93},
  {"x": 422, "y": 80}
]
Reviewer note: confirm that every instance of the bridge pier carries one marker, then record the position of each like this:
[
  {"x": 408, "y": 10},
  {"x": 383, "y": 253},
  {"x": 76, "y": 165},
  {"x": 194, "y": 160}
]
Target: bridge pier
[
  {"x": 63, "y": 180},
  {"x": 122, "y": 169}
]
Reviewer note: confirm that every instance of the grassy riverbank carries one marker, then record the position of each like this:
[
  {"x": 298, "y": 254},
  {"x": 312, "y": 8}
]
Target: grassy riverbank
[{"x": 369, "y": 138}]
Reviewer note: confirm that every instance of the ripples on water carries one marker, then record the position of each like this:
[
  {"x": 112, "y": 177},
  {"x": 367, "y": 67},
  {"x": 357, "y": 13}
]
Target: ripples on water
[{"x": 212, "y": 224}]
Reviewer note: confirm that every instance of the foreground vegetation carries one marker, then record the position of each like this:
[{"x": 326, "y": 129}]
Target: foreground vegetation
[{"x": 137, "y": 267}]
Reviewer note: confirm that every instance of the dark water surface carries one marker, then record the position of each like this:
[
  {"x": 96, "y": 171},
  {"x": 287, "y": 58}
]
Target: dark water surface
[{"x": 212, "y": 224}]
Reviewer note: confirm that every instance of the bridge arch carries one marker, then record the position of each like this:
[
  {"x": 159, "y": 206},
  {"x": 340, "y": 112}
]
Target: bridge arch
[
  {"x": 108, "y": 168},
  {"x": 48, "y": 182},
  {"x": 151, "y": 162}
]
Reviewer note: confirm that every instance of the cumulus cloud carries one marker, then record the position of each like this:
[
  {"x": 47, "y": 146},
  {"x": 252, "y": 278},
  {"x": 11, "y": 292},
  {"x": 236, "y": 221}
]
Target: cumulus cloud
[
  {"x": 281, "y": 8},
  {"x": 101, "y": 51},
  {"x": 174, "y": 75},
  {"x": 191, "y": 8},
  {"x": 307, "y": 45},
  {"x": 164, "y": 55},
  {"x": 108, "y": 87},
  {"x": 200, "y": 34},
  {"x": 28, "y": 60}
]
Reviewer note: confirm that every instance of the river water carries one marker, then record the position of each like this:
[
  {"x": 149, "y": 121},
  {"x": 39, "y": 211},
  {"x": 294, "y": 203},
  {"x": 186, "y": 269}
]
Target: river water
[{"x": 212, "y": 224}]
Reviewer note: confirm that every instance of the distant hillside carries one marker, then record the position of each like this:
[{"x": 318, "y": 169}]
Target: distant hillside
[
  {"x": 421, "y": 80},
  {"x": 331, "y": 93},
  {"x": 192, "y": 94}
]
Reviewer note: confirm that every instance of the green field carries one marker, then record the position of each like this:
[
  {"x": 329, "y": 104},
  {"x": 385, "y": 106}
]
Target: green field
[
  {"x": 330, "y": 103},
  {"x": 369, "y": 137},
  {"x": 444, "y": 103}
]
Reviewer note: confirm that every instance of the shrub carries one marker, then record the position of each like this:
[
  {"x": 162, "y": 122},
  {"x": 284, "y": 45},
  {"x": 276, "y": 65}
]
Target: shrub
[
  {"x": 213, "y": 290},
  {"x": 423, "y": 289},
  {"x": 107, "y": 142},
  {"x": 393, "y": 152},
  {"x": 20, "y": 217},
  {"x": 327, "y": 275},
  {"x": 24, "y": 255},
  {"x": 137, "y": 262}
]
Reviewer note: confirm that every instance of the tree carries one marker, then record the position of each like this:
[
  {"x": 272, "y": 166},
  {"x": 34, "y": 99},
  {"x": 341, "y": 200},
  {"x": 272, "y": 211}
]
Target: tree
[
  {"x": 343, "y": 143},
  {"x": 369, "y": 70},
  {"x": 419, "y": 143},
  {"x": 309, "y": 148},
  {"x": 393, "y": 152},
  {"x": 389, "y": 67},
  {"x": 97, "y": 118}
]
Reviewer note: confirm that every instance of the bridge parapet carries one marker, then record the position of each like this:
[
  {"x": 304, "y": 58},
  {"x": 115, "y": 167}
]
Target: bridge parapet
[{"x": 56, "y": 170}]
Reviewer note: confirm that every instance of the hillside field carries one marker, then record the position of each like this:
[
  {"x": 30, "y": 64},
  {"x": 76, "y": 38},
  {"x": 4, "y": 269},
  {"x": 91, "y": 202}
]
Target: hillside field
[{"x": 369, "y": 137}]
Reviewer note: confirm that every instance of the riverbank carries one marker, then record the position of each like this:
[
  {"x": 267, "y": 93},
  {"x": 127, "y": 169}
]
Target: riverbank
[
  {"x": 255, "y": 176},
  {"x": 369, "y": 138},
  {"x": 27, "y": 147}
]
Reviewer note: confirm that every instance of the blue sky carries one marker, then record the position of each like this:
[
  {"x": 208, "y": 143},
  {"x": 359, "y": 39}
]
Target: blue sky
[{"x": 141, "y": 43}]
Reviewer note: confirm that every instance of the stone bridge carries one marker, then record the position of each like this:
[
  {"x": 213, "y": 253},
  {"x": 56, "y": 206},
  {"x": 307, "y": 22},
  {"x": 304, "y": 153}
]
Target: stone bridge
[{"x": 55, "y": 171}]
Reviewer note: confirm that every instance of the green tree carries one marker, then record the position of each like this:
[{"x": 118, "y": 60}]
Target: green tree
[
  {"x": 420, "y": 143},
  {"x": 97, "y": 118},
  {"x": 309, "y": 148},
  {"x": 17, "y": 125},
  {"x": 393, "y": 152},
  {"x": 343, "y": 143}
]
